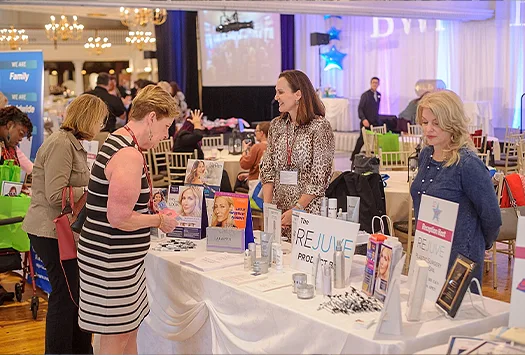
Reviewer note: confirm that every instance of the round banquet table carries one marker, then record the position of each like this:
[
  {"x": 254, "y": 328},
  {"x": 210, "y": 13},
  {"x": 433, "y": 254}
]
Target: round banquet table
[{"x": 231, "y": 162}]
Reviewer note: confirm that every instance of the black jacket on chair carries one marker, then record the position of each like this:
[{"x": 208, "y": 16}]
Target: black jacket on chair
[
  {"x": 369, "y": 187},
  {"x": 368, "y": 108}
]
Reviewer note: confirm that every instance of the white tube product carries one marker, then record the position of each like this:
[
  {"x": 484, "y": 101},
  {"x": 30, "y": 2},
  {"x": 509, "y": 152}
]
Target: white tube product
[
  {"x": 327, "y": 280},
  {"x": 279, "y": 258},
  {"x": 266, "y": 246},
  {"x": 317, "y": 279},
  {"x": 339, "y": 265},
  {"x": 332, "y": 208},
  {"x": 324, "y": 207},
  {"x": 253, "y": 251},
  {"x": 340, "y": 214}
]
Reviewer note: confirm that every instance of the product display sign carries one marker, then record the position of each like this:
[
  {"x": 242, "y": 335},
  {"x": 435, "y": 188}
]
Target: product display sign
[
  {"x": 319, "y": 235},
  {"x": 189, "y": 203},
  {"x": 517, "y": 297},
  {"x": 433, "y": 241},
  {"x": 22, "y": 82}
]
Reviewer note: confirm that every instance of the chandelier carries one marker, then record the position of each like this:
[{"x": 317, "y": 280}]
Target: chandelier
[
  {"x": 13, "y": 37},
  {"x": 64, "y": 30},
  {"x": 141, "y": 16},
  {"x": 97, "y": 44},
  {"x": 140, "y": 39}
]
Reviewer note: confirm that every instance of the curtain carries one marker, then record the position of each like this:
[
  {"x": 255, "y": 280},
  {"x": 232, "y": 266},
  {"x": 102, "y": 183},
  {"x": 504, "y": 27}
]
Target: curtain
[
  {"x": 177, "y": 53},
  {"x": 479, "y": 60},
  {"x": 287, "y": 42}
]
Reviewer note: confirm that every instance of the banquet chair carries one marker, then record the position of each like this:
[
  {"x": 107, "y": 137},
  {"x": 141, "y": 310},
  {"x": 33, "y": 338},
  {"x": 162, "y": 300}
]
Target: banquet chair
[
  {"x": 473, "y": 128},
  {"x": 159, "y": 158},
  {"x": 508, "y": 240},
  {"x": 480, "y": 142},
  {"x": 213, "y": 141},
  {"x": 157, "y": 180},
  {"x": 393, "y": 160},
  {"x": 369, "y": 142},
  {"x": 415, "y": 130},
  {"x": 379, "y": 129},
  {"x": 509, "y": 160},
  {"x": 405, "y": 231},
  {"x": 409, "y": 142},
  {"x": 521, "y": 156},
  {"x": 177, "y": 163}
]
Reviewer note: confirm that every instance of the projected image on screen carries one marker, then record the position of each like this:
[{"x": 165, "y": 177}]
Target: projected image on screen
[{"x": 247, "y": 57}]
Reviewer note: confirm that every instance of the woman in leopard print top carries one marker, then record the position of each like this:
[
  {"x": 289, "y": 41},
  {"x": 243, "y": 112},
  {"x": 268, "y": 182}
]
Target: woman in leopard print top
[{"x": 300, "y": 140}]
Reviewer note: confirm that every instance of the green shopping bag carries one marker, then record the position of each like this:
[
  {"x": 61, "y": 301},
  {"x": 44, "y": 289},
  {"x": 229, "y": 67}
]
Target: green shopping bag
[
  {"x": 9, "y": 171},
  {"x": 12, "y": 236},
  {"x": 389, "y": 142}
]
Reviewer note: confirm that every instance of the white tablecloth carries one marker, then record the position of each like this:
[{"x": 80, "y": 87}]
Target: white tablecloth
[
  {"x": 340, "y": 115},
  {"x": 480, "y": 114},
  {"x": 196, "y": 312}
]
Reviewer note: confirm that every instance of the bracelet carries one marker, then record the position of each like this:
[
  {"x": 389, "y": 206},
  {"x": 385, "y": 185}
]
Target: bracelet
[
  {"x": 299, "y": 206},
  {"x": 161, "y": 220}
]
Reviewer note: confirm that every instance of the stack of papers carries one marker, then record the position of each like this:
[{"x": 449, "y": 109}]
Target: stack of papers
[{"x": 215, "y": 261}]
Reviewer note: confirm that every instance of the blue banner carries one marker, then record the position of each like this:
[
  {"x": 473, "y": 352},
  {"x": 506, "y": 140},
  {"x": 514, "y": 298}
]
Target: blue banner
[
  {"x": 41, "y": 278},
  {"x": 22, "y": 82}
]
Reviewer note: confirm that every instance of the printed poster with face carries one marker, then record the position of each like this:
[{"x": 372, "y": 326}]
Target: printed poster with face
[
  {"x": 208, "y": 174},
  {"x": 189, "y": 203},
  {"x": 230, "y": 210}
]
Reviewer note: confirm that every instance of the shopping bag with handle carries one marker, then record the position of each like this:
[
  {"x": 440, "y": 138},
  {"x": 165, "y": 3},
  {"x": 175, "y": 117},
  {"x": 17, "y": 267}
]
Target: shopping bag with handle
[
  {"x": 9, "y": 171},
  {"x": 12, "y": 235}
]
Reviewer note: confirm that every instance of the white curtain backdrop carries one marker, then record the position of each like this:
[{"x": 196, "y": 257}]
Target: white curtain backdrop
[{"x": 481, "y": 60}]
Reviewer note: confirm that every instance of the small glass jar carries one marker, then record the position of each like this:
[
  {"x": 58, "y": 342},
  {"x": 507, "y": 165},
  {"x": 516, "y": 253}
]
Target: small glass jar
[
  {"x": 298, "y": 279},
  {"x": 305, "y": 292}
]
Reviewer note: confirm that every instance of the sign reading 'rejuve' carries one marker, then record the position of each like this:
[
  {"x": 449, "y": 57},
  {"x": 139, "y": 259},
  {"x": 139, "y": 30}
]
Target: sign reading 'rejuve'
[
  {"x": 433, "y": 241},
  {"x": 319, "y": 235},
  {"x": 21, "y": 81},
  {"x": 517, "y": 297}
]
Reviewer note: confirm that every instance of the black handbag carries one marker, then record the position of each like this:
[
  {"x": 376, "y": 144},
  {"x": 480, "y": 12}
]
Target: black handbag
[{"x": 364, "y": 164}]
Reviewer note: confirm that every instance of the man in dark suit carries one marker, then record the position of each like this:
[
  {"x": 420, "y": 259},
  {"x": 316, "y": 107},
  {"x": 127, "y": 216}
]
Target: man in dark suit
[
  {"x": 368, "y": 111},
  {"x": 116, "y": 107}
]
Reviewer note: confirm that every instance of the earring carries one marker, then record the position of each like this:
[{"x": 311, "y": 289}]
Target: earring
[
  {"x": 150, "y": 135},
  {"x": 297, "y": 102}
]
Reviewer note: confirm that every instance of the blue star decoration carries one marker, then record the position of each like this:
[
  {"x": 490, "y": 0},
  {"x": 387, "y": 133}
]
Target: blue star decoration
[
  {"x": 333, "y": 59},
  {"x": 334, "y": 33},
  {"x": 326, "y": 17},
  {"x": 437, "y": 212}
]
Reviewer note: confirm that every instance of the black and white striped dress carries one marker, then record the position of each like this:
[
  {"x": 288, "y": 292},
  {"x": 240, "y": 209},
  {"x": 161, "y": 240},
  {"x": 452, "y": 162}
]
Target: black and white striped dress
[{"x": 113, "y": 296}]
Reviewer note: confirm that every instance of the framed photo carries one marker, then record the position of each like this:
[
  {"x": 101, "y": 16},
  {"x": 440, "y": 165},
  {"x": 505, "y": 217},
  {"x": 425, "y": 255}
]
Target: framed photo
[{"x": 11, "y": 188}]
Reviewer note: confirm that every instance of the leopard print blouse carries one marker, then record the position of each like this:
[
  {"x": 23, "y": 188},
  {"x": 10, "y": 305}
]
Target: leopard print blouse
[{"x": 313, "y": 147}]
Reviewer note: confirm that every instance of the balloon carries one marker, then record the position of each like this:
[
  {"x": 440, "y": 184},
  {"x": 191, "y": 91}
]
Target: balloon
[
  {"x": 334, "y": 33},
  {"x": 333, "y": 59}
]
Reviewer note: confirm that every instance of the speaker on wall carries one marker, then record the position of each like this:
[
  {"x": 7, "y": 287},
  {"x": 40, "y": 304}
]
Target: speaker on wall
[
  {"x": 150, "y": 54},
  {"x": 317, "y": 38}
]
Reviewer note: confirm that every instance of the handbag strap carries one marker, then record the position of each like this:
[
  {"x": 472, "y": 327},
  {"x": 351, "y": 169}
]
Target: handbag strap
[
  {"x": 64, "y": 197},
  {"x": 511, "y": 198}
]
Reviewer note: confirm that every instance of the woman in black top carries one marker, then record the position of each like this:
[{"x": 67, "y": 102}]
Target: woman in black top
[{"x": 189, "y": 136}]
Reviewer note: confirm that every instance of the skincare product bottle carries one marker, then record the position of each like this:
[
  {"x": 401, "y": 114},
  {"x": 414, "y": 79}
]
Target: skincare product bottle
[
  {"x": 253, "y": 251},
  {"x": 266, "y": 246},
  {"x": 332, "y": 208},
  {"x": 339, "y": 264},
  {"x": 324, "y": 207},
  {"x": 279, "y": 258},
  {"x": 340, "y": 214},
  {"x": 275, "y": 245},
  {"x": 327, "y": 280},
  {"x": 247, "y": 260},
  {"x": 317, "y": 278},
  {"x": 352, "y": 208},
  {"x": 345, "y": 216}
]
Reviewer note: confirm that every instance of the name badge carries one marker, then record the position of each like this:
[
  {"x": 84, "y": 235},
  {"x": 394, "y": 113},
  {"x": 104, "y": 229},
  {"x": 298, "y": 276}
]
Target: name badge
[{"x": 288, "y": 177}]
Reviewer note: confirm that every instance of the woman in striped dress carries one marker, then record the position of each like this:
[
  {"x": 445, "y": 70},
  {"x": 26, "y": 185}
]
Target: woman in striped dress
[{"x": 116, "y": 235}]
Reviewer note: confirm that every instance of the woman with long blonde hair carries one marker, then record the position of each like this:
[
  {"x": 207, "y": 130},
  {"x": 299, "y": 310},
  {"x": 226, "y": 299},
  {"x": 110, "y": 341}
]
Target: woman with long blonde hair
[{"x": 449, "y": 169}]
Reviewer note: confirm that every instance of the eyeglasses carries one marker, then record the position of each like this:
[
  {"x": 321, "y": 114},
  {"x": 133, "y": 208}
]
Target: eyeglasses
[{"x": 103, "y": 123}]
